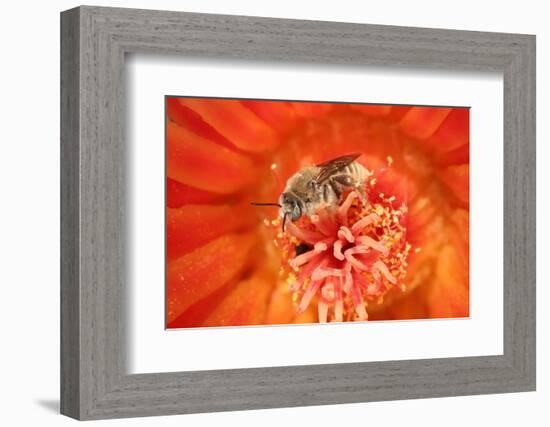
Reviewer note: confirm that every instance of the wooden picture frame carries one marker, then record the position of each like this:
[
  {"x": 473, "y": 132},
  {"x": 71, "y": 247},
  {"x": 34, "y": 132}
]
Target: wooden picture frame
[{"x": 94, "y": 382}]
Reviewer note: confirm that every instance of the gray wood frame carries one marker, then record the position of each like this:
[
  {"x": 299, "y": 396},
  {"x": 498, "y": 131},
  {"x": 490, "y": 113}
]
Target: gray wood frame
[{"x": 94, "y": 382}]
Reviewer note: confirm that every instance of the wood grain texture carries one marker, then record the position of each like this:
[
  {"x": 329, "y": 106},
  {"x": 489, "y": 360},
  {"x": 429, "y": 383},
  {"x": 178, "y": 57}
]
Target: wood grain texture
[
  {"x": 94, "y": 381},
  {"x": 70, "y": 291}
]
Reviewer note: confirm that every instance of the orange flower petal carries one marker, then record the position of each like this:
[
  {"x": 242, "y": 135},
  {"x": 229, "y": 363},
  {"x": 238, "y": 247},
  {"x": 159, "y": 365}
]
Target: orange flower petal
[
  {"x": 372, "y": 110},
  {"x": 278, "y": 114},
  {"x": 245, "y": 305},
  {"x": 308, "y": 316},
  {"x": 389, "y": 180},
  {"x": 422, "y": 122},
  {"x": 448, "y": 296},
  {"x": 178, "y": 194},
  {"x": 190, "y": 120},
  {"x": 461, "y": 220},
  {"x": 410, "y": 306},
  {"x": 457, "y": 178},
  {"x": 198, "y": 274},
  {"x": 201, "y": 163},
  {"x": 195, "y": 315},
  {"x": 398, "y": 111},
  {"x": 422, "y": 214},
  {"x": 192, "y": 226},
  {"x": 235, "y": 122},
  {"x": 458, "y": 156},
  {"x": 459, "y": 240},
  {"x": 281, "y": 309},
  {"x": 453, "y": 133},
  {"x": 311, "y": 109}
]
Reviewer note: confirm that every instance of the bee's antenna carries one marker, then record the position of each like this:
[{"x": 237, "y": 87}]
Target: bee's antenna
[
  {"x": 284, "y": 221},
  {"x": 265, "y": 204}
]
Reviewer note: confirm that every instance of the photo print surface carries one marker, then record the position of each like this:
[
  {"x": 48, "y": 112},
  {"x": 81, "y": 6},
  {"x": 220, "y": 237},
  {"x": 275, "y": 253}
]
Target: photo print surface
[{"x": 293, "y": 212}]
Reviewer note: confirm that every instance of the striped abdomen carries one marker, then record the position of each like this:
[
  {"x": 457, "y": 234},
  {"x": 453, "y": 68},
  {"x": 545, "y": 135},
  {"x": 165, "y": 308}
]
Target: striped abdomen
[{"x": 353, "y": 175}]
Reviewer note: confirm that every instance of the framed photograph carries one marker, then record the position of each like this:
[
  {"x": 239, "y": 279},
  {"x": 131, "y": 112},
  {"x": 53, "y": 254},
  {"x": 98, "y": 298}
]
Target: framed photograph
[
  {"x": 344, "y": 226},
  {"x": 261, "y": 213}
]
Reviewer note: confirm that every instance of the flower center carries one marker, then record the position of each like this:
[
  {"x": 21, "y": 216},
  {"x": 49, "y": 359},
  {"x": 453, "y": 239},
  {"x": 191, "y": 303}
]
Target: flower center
[{"x": 344, "y": 257}]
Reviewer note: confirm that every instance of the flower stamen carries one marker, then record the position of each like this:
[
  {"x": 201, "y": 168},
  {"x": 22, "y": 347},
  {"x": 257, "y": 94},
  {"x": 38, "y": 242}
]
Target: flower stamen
[{"x": 351, "y": 251}]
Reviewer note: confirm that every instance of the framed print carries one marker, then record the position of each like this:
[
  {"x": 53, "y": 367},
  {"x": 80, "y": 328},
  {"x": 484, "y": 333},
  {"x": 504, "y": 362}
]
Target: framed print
[
  {"x": 336, "y": 239},
  {"x": 291, "y": 213}
]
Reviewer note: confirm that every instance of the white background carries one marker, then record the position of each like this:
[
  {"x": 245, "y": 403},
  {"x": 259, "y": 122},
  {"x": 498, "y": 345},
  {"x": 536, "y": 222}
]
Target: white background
[
  {"x": 29, "y": 234},
  {"x": 154, "y": 350}
]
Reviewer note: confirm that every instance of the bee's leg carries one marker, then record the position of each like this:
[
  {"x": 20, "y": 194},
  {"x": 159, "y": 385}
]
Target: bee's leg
[
  {"x": 342, "y": 181},
  {"x": 336, "y": 188},
  {"x": 348, "y": 181}
]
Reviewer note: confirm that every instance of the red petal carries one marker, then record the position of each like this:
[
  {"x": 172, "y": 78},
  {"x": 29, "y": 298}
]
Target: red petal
[
  {"x": 308, "y": 316},
  {"x": 453, "y": 133},
  {"x": 178, "y": 194},
  {"x": 422, "y": 122},
  {"x": 246, "y": 304},
  {"x": 235, "y": 122},
  {"x": 422, "y": 213},
  {"x": 372, "y": 110},
  {"x": 192, "y": 226},
  {"x": 311, "y": 109},
  {"x": 278, "y": 114},
  {"x": 201, "y": 163},
  {"x": 198, "y": 274},
  {"x": 195, "y": 315},
  {"x": 410, "y": 306},
  {"x": 280, "y": 310},
  {"x": 458, "y": 156},
  {"x": 449, "y": 294},
  {"x": 457, "y": 178},
  {"x": 398, "y": 111},
  {"x": 190, "y": 120}
]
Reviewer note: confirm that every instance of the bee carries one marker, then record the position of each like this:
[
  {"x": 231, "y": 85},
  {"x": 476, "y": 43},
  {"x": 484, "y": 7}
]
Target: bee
[{"x": 319, "y": 186}]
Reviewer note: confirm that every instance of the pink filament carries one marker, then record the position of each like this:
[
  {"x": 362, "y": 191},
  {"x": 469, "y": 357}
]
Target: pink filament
[
  {"x": 342, "y": 262},
  {"x": 323, "y": 272},
  {"x": 308, "y": 295},
  {"x": 344, "y": 207},
  {"x": 304, "y": 235},
  {"x": 337, "y": 250},
  {"x": 345, "y": 233},
  {"x": 355, "y": 262},
  {"x": 381, "y": 267},
  {"x": 370, "y": 242},
  {"x": 364, "y": 222},
  {"x": 306, "y": 257},
  {"x": 322, "y": 309}
]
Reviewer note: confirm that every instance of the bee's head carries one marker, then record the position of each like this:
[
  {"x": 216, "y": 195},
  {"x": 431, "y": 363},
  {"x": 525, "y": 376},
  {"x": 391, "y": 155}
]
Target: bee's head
[{"x": 291, "y": 206}]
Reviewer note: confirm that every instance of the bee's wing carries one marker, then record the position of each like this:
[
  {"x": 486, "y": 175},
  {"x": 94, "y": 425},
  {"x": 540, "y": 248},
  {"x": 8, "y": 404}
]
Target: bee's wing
[{"x": 330, "y": 167}]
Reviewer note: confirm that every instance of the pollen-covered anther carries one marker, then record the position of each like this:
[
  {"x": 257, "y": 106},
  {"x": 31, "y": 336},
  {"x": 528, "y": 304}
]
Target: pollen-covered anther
[{"x": 358, "y": 253}]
